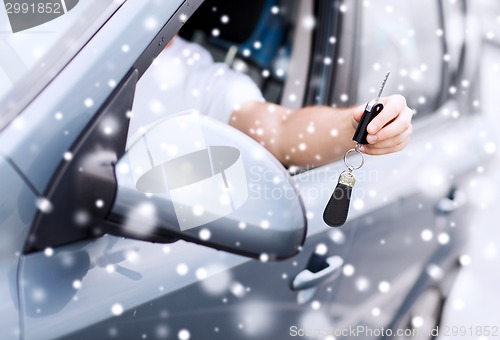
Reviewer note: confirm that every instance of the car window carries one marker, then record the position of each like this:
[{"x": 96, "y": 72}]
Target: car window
[
  {"x": 31, "y": 57},
  {"x": 395, "y": 37},
  {"x": 263, "y": 53}
]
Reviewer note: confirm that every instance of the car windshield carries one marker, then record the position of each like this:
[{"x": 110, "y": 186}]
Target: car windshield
[{"x": 37, "y": 39}]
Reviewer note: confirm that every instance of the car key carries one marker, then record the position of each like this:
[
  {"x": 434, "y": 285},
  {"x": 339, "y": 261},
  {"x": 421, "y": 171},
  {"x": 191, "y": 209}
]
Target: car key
[
  {"x": 337, "y": 209},
  {"x": 372, "y": 109}
]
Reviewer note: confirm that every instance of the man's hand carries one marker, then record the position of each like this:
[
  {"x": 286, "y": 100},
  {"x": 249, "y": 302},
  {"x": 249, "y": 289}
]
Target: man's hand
[
  {"x": 318, "y": 135},
  {"x": 390, "y": 131}
]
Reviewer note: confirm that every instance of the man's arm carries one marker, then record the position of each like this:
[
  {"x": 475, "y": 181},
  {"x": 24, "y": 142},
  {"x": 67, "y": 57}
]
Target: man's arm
[{"x": 317, "y": 135}]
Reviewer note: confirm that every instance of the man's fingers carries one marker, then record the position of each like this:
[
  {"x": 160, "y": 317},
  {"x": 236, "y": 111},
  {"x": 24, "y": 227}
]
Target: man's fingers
[
  {"x": 397, "y": 127},
  {"x": 393, "y": 105},
  {"x": 370, "y": 150},
  {"x": 358, "y": 113},
  {"x": 395, "y": 140}
]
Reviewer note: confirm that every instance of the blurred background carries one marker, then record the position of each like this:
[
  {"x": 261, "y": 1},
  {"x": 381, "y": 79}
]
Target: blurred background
[{"x": 475, "y": 296}]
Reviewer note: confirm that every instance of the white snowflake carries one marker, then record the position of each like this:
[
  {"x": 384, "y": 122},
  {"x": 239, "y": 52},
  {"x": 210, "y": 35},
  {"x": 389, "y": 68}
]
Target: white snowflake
[
  {"x": 426, "y": 235},
  {"x": 490, "y": 147},
  {"x": 150, "y": 23},
  {"x": 362, "y": 284},
  {"x": 184, "y": 334},
  {"x": 99, "y": 203},
  {"x": 88, "y": 102},
  {"x": 44, "y": 205},
  {"x": 358, "y": 204},
  {"x": 182, "y": 269},
  {"x": 216, "y": 279},
  {"x": 315, "y": 305},
  {"x": 205, "y": 234},
  {"x": 443, "y": 238},
  {"x": 198, "y": 210},
  {"x": 348, "y": 270},
  {"x": 417, "y": 321},
  {"x": 308, "y": 22},
  {"x": 376, "y": 311},
  {"x": 337, "y": 236},
  {"x": 321, "y": 249},
  {"x": 434, "y": 271},
  {"x": 237, "y": 289},
  {"x": 201, "y": 273},
  {"x": 116, "y": 309},
  {"x": 48, "y": 252},
  {"x": 384, "y": 286},
  {"x": 465, "y": 260}
]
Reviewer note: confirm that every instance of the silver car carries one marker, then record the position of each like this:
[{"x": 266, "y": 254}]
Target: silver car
[{"x": 81, "y": 256}]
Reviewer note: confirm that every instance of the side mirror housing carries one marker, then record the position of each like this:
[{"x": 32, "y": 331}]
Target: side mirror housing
[{"x": 194, "y": 178}]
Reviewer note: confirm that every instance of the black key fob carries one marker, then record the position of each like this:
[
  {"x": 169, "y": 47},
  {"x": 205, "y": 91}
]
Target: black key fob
[
  {"x": 337, "y": 209},
  {"x": 372, "y": 109}
]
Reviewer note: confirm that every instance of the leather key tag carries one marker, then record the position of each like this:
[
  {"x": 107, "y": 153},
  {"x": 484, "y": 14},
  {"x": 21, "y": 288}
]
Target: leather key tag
[{"x": 337, "y": 209}]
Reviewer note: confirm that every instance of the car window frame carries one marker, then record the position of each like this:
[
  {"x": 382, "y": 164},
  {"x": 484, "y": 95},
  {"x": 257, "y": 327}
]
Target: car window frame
[
  {"x": 26, "y": 90},
  {"x": 349, "y": 51},
  {"x": 320, "y": 82}
]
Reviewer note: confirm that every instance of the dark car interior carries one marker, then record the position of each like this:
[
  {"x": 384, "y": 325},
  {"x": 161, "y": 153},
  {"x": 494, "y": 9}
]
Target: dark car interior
[{"x": 253, "y": 37}]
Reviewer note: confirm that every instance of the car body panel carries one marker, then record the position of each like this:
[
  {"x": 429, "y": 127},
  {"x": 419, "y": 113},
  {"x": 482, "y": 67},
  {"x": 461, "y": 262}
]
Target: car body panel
[
  {"x": 111, "y": 271},
  {"x": 174, "y": 302},
  {"x": 17, "y": 209}
]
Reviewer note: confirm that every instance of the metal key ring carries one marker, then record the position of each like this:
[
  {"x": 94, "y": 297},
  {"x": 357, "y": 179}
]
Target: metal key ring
[{"x": 351, "y": 167}]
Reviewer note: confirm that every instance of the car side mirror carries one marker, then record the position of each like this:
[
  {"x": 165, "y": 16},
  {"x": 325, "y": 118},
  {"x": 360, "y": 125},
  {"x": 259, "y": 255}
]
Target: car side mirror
[{"x": 191, "y": 177}]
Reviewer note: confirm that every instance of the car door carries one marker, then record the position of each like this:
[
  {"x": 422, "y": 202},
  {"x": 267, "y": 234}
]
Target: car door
[{"x": 17, "y": 209}]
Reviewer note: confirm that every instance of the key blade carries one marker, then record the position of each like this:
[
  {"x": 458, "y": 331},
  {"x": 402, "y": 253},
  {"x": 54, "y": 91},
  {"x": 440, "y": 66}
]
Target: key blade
[{"x": 382, "y": 86}]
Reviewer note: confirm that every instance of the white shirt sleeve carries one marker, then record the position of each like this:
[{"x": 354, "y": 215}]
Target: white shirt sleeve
[
  {"x": 185, "y": 77},
  {"x": 226, "y": 91}
]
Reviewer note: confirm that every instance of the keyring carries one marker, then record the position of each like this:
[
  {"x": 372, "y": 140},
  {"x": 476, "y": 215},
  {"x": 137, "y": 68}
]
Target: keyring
[{"x": 351, "y": 167}]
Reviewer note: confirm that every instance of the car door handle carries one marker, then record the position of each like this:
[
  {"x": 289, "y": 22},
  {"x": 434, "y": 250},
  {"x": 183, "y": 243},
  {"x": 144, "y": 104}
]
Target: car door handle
[
  {"x": 455, "y": 200},
  {"x": 307, "y": 279}
]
